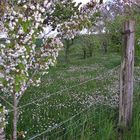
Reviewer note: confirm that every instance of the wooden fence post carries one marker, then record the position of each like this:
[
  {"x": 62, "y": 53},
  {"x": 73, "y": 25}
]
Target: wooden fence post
[{"x": 126, "y": 76}]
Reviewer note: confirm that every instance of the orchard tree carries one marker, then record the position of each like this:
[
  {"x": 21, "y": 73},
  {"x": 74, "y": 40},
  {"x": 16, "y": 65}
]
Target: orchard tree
[
  {"x": 67, "y": 19},
  {"x": 114, "y": 33},
  {"x": 63, "y": 21},
  {"x": 87, "y": 42},
  {"x": 94, "y": 13},
  {"x": 102, "y": 17},
  {"x": 2, "y": 108},
  {"x": 20, "y": 59}
]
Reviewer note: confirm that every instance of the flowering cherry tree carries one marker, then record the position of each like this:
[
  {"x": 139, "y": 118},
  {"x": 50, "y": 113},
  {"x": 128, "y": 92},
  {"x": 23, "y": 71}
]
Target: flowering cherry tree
[
  {"x": 20, "y": 58},
  {"x": 73, "y": 20}
]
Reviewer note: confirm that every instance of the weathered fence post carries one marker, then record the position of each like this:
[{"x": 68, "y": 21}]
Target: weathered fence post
[{"x": 126, "y": 76}]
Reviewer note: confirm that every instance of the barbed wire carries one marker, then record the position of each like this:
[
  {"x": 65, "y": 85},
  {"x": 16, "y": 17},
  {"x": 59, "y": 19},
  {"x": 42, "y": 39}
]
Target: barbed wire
[
  {"x": 87, "y": 116},
  {"x": 36, "y": 91},
  {"x": 60, "y": 91}
]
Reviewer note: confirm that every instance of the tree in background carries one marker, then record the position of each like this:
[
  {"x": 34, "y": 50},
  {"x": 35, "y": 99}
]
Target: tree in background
[
  {"x": 66, "y": 12},
  {"x": 137, "y": 31},
  {"x": 87, "y": 43},
  {"x": 83, "y": 20},
  {"x": 102, "y": 18},
  {"x": 114, "y": 34},
  {"x": 66, "y": 20}
]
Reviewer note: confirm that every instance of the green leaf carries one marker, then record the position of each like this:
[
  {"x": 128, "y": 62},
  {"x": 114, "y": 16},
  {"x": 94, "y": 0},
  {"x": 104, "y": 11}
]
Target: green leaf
[
  {"x": 17, "y": 88},
  {"x": 1, "y": 80},
  {"x": 21, "y": 66}
]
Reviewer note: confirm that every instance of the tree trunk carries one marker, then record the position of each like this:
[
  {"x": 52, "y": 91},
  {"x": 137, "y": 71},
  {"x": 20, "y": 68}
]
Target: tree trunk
[
  {"x": 3, "y": 4},
  {"x": 84, "y": 51},
  {"x": 2, "y": 117},
  {"x": 15, "y": 119},
  {"x": 2, "y": 134},
  {"x": 104, "y": 47},
  {"x": 67, "y": 53},
  {"x": 90, "y": 53},
  {"x": 126, "y": 76},
  {"x": 101, "y": 2},
  {"x": 67, "y": 47}
]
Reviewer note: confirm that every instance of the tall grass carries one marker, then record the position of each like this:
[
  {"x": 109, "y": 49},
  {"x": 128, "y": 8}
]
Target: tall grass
[{"x": 99, "y": 122}]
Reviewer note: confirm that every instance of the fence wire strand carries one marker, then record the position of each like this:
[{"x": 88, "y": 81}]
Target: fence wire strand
[
  {"x": 60, "y": 124},
  {"x": 69, "y": 119},
  {"x": 82, "y": 83}
]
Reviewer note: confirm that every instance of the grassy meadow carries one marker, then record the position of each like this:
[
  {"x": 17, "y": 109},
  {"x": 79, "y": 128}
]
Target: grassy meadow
[{"x": 76, "y": 101}]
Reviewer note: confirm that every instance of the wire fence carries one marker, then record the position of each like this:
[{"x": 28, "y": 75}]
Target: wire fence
[
  {"x": 72, "y": 128},
  {"x": 75, "y": 137},
  {"x": 46, "y": 95},
  {"x": 45, "y": 134},
  {"x": 113, "y": 112},
  {"x": 69, "y": 119}
]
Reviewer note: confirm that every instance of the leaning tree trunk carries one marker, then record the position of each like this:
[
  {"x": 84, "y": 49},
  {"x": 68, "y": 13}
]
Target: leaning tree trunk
[
  {"x": 67, "y": 54},
  {"x": 2, "y": 133},
  {"x": 15, "y": 118},
  {"x": 84, "y": 52},
  {"x": 2, "y": 7}
]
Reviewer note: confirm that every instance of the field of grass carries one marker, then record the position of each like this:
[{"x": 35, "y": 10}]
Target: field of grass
[{"x": 76, "y": 101}]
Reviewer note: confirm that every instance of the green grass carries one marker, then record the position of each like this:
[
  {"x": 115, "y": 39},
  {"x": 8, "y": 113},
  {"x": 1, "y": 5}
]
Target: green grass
[{"x": 63, "y": 101}]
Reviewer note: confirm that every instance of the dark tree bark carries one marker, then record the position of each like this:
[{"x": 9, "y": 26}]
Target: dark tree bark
[
  {"x": 84, "y": 51},
  {"x": 101, "y": 2},
  {"x": 67, "y": 49},
  {"x": 2, "y": 134},
  {"x": 2, "y": 7}
]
